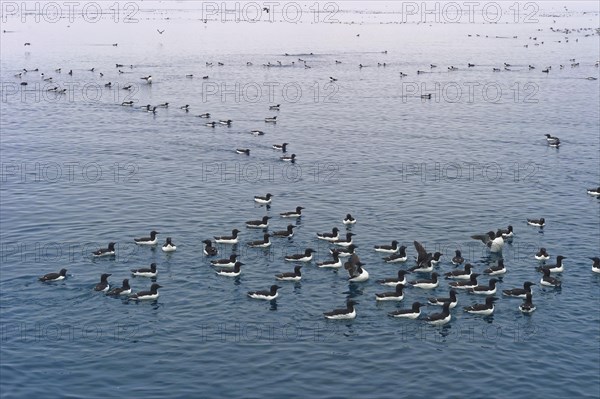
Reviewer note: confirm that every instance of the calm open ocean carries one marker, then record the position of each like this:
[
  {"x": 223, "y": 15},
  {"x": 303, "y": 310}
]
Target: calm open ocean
[{"x": 80, "y": 170}]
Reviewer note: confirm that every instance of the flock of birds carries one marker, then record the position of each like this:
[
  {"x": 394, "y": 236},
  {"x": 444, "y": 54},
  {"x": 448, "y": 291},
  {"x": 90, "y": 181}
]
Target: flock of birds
[{"x": 342, "y": 245}]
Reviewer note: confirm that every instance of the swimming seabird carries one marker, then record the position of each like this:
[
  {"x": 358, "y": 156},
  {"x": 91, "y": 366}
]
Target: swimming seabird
[
  {"x": 527, "y": 306},
  {"x": 401, "y": 279},
  {"x": 274, "y": 107},
  {"x": 145, "y": 272},
  {"x": 356, "y": 273},
  {"x": 390, "y": 249},
  {"x": 103, "y": 284},
  {"x": 594, "y": 191},
  {"x": 125, "y": 289},
  {"x": 400, "y": 256},
  {"x": 547, "y": 280},
  {"x": 264, "y": 243},
  {"x": 458, "y": 259},
  {"x": 541, "y": 222},
  {"x": 396, "y": 295},
  {"x": 225, "y": 122},
  {"x": 263, "y": 200},
  {"x": 334, "y": 264},
  {"x": 464, "y": 285},
  {"x": 228, "y": 272},
  {"x": 496, "y": 270},
  {"x": 227, "y": 262},
  {"x": 289, "y": 232},
  {"x": 296, "y": 275},
  {"x": 272, "y": 119},
  {"x": 427, "y": 284},
  {"x": 152, "y": 240},
  {"x": 451, "y": 299},
  {"x": 209, "y": 250},
  {"x": 344, "y": 242},
  {"x": 439, "y": 319},
  {"x": 485, "y": 309},
  {"x": 344, "y": 252},
  {"x": 343, "y": 314},
  {"x": 460, "y": 274},
  {"x": 489, "y": 289},
  {"x": 257, "y": 133},
  {"x": 266, "y": 295},
  {"x": 204, "y": 115},
  {"x": 147, "y": 295},
  {"x": 148, "y": 79},
  {"x": 259, "y": 224},
  {"x": 54, "y": 276},
  {"x": 333, "y": 236},
  {"x": 519, "y": 292},
  {"x": 349, "y": 219},
  {"x": 596, "y": 264},
  {"x": 305, "y": 257},
  {"x": 292, "y": 214},
  {"x": 542, "y": 254},
  {"x": 245, "y": 151},
  {"x": 288, "y": 158},
  {"x": 106, "y": 251},
  {"x": 232, "y": 239},
  {"x": 412, "y": 313},
  {"x": 556, "y": 268},
  {"x": 168, "y": 246},
  {"x": 280, "y": 147}
]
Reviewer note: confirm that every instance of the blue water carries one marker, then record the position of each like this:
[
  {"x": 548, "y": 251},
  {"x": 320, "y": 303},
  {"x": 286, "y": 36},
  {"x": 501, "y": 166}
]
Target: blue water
[{"x": 81, "y": 170}]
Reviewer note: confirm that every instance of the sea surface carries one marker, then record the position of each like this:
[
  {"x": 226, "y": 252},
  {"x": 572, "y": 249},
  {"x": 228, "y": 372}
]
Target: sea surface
[{"x": 80, "y": 170}]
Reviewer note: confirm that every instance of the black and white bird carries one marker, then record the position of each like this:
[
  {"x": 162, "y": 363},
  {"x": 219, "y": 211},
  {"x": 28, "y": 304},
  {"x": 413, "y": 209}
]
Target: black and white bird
[
  {"x": 147, "y": 295},
  {"x": 596, "y": 264},
  {"x": 527, "y": 306},
  {"x": 152, "y": 240},
  {"x": 541, "y": 222},
  {"x": 465, "y": 285},
  {"x": 232, "y": 239},
  {"x": 460, "y": 274},
  {"x": 296, "y": 275},
  {"x": 508, "y": 233},
  {"x": 103, "y": 285},
  {"x": 288, "y": 158},
  {"x": 441, "y": 318},
  {"x": 489, "y": 289},
  {"x": 280, "y": 147},
  {"x": 343, "y": 314},
  {"x": 348, "y": 220},
  {"x": 399, "y": 256},
  {"x": 424, "y": 259},
  {"x": 274, "y": 107},
  {"x": 594, "y": 191},
  {"x": 263, "y": 200},
  {"x": 259, "y": 224},
  {"x": 228, "y": 272},
  {"x": 519, "y": 292},
  {"x": 242, "y": 151},
  {"x": 390, "y": 249},
  {"x": 168, "y": 246},
  {"x": 125, "y": 289},
  {"x": 547, "y": 280},
  {"x": 265, "y": 295},
  {"x": 344, "y": 242},
  {"x": 333, "y": 236},
  {"x": 542, "y": 254},
  {"x": 292, "y": 214},
  {"x": 396, "y": 295},
  {"x": 427, "y": 284},
  {"x": 451, "y": 299},
  {"x": 145, "y": 272},
  {"x": 558, "y": 267},
  {"x": 271, "y": 119},
  {"x": 333, "y": 264},
  {"x": 257, "y": 132},
  {"x": 412, "y": 313},
  {"x": 209, "y": 250},
  {"x": 494, "y": 241},
  {"x": 484, "y": 309},
  {"x": 61, "y": 275},
  {"x": 401, "y": 279},
  {"x": 288, "y": 233},
  {"x": 552, "y": 140},
  {"x": 307, "y": 256},
  {"x": 227, "y": 262},
  {"x": 457, "y": 259},
  {"x": 264, "y": 243},
  {"x": 110, "y": 251},
  {"x": 496, "y": 270},
  {"x": 344, "y": 252},
  {"x": 148, "y": 79},
  {"x": 356, "y": 273}
]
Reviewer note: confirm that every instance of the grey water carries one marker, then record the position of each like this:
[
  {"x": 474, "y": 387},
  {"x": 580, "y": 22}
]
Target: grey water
[{"x": 80, "y": 170}]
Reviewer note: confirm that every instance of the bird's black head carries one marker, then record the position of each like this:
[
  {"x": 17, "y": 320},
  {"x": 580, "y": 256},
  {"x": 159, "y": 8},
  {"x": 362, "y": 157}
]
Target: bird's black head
[
  {"x": 63, "y": 272},
  {"x": 153, "y": 267}
]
